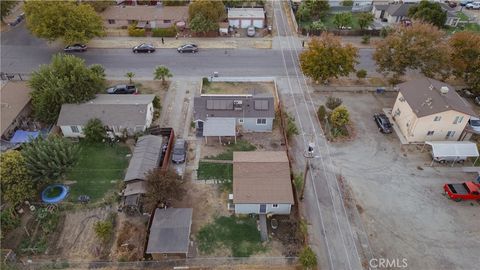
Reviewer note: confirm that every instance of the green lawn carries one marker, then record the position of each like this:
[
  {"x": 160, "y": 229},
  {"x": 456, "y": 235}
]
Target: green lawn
[
  {"x": 241, "y": 145},
  {"x": 238, "y": 234},
  {"x": 223, "y": 172},
  {"x": 99, "y": 168},
  {"x": 331, "y": 26},
  {"x": 462, "y": 16}
]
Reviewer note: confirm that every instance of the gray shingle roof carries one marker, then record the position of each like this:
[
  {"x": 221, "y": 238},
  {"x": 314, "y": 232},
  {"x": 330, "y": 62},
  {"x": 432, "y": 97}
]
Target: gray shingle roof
[
  {"x": 399, "y": 10},
  {"x": 112, "y": 110},
  {"x": 146, "y": 156},
  {"x": 146, "y": 13},
  {"x": 170, "y": 231},
  {"x": 223, "y": 106},
  {"x": 424, "y": 97}
]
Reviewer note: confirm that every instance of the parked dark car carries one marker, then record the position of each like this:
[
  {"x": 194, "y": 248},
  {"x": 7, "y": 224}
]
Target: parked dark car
[
  {"x": 179, "y": 151},
  {"x": 75, "y": 48},
  {"x": 143, "y": 48},
  {"x": 18, "y": 20},
  {"x": 122, "y": 89},
  {"x": 192, "y": 48},
  {"x": 477, "y": 100},
  {"x": 383, "y": 123}
]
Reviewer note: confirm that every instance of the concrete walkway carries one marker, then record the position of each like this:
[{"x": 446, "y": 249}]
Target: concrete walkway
[{"x": 262, "y": 219}]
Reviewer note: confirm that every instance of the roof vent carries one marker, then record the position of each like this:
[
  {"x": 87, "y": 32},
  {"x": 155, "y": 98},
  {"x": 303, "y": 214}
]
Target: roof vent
[{"x": 444, "y": 90}]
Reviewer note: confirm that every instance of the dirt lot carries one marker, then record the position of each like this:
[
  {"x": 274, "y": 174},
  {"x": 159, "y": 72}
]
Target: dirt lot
[
  {"x": 77, "y": 240},
  {"x": 238, "y": 88},
  {"x": 399, "y": 197},
  {"x": 129, "y": 238}
]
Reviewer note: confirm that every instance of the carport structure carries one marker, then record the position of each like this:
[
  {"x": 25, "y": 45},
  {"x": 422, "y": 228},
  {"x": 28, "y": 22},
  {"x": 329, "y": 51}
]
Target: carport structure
[
  {"x": 453, "y": 150},
  {"x": 220, "y": 127}
]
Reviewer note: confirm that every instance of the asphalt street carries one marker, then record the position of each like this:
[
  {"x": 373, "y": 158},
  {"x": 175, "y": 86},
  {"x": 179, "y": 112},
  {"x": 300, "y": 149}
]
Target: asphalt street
[{"x": 23, "y": 53}]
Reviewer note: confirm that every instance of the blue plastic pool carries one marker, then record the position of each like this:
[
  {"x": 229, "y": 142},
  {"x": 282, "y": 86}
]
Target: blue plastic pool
[{"x": 60, "y": 197}]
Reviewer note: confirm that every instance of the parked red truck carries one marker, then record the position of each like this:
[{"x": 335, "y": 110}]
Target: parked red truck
[{"x": 464, "y": 191}]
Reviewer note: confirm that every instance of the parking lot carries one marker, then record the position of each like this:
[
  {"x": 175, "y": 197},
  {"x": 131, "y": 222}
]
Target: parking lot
[{"x": 400, "y": 198}]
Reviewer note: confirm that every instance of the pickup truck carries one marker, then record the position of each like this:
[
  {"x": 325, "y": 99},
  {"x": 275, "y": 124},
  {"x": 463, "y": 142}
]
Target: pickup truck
[
  {"x": 464, "y": 191},
  {"x": 122, "y": 89}
]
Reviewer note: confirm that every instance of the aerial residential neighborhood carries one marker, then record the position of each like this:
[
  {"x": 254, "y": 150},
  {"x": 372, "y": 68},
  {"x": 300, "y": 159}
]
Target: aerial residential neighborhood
[{"x": 240, "y": 134}]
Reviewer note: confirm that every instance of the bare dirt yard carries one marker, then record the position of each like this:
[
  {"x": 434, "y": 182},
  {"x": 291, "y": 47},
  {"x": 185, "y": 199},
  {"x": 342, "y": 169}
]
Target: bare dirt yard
[
  {"x": 238, "y": 88},
  {"x": 77, "y": 239},
  {"x": 399, "y": 197},
  {"x": 130, "y": 238}
]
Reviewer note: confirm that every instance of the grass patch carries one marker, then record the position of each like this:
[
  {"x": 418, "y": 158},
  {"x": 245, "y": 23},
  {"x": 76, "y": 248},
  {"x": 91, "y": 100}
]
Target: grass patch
[
  {"x": 462, "y": 16},
  {"x": 240, "y": 234},
  {"x": 241, "y": 145},
  {"x": 99, "y": 168},
  {"x": 222, "y": 172}
]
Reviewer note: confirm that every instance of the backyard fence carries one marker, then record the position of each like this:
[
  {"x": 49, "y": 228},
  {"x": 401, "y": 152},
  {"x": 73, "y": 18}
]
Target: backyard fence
[
  {"x": 345, "y": 32},
  {"x": 14, "y": 76}
]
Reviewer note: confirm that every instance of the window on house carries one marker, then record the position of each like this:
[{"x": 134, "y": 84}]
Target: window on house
[
  {"x": 437, "y": 118},
  {"x": 430, "y": 133},
  {"x": 110, "y": 21},
  {"x": 74, "y": 129},
  {"x": 275, "y": 205},
  {"x": 458, "y": 120},
  {"x": 240, "y": 121},
  {"x": 167, "y": 21},
  {"x": 261, "y": 121},
  {"x": 450, "y": 134}
]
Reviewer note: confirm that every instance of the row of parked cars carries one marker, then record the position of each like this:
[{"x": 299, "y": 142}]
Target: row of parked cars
[{"x": 142, "y": 48}]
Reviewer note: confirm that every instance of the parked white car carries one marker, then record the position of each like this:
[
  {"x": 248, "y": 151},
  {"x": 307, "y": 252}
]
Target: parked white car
[
  {"x": 474, "y": 5},
  {"x": 474, "y": 123}
]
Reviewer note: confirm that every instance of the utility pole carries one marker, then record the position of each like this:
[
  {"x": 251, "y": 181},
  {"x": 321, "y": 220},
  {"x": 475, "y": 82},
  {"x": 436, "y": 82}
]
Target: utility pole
[{"x": 308, "y": 155}]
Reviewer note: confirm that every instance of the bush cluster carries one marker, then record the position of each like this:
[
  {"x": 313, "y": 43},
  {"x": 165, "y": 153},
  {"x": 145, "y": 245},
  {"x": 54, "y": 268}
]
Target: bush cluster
[
  {"x": 134, "y": 32},
  {"x": 164, "y": 32}
]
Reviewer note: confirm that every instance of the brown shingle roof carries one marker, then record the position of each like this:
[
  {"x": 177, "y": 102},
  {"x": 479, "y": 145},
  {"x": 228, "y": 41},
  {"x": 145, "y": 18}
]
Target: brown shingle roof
[
  {"x": 14, "y": 96},
  {"x": 424, "y": 97},
  {"x": 261, "y": 177},
  {"x": 146, "y": 13}
]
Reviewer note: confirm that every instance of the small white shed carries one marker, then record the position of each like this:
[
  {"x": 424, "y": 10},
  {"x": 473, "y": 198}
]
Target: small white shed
[{"x": 244, "y": 17}]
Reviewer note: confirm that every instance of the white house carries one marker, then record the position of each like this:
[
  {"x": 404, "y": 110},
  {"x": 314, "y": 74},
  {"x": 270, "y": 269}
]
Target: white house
[
  {"x": 119, "y": 113},
  {"x": 261, "y": 183},
  {"x": 244, "y": 17},
  {"x": 430, "y": 110}
]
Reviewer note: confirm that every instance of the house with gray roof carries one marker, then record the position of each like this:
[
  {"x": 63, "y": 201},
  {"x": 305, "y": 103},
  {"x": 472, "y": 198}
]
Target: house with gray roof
[
  {"x": 169, "y": 233},
  {"x": 121, "y": 114},
  {"x": 394, "y": 13},
  {"x": 430, "y": 110},
  {"x": 225, "y": 115}
]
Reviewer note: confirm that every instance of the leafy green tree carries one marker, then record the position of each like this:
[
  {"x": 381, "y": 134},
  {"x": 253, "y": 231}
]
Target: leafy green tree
[
  {"x": 201, "y": 24},
  {"x": 6, "y": 7},
  {"x": 347, "y": 3},
  {"x": 307, "y": 258},
  {"x": 94, "y": 131},
  {"x": 361, "y": 74},
  {"x": 365, "y": 19},
  {"x": 64, "y": 20},
  {"x": 429, "y": 12},
  {"x": 465, "y": 58},
  {"x": 318, "y": 8},
  {"x": 130, "y": 76},
  {"x": 163, "y": 187},
  {"x": 303, "y": 13},
  {"x": 318, "y": 25},
  {"x": 339, "y": 117},
  {"x": 51, "y": 158},
  {"x": 327, "y": 58},
  {"x": 212, "y": 11},
  {"x": 65, "y": 80},
  {"x": 16, "y": 184},
  {"x": 100, "y": 5},
  {"x": 343, "y": 19},
  {"x": 333, "y": 102},
  {"x": 161, "y": 73},
  {"x": 419, "y": 46}
]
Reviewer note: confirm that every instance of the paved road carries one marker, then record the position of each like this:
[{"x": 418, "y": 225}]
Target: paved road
[
  {"x": 22, "y": 53},
  {"x": 331, "y": 233}
]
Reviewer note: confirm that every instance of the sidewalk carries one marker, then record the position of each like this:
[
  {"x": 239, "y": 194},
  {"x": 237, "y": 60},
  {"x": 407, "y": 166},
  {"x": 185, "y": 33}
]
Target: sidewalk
[{"x": 203, "y": 43}]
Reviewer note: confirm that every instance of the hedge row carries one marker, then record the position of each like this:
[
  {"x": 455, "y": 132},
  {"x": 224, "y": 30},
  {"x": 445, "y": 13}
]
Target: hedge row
[
  {"x": 164, "y": 32},
  {"x": 134, "y": 32}
]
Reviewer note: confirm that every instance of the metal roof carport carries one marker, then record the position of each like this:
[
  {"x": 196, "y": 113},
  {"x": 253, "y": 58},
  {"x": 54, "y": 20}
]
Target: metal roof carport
[
  {"x": 220, "y": 127},
  {"x": 453, "y": 149}
]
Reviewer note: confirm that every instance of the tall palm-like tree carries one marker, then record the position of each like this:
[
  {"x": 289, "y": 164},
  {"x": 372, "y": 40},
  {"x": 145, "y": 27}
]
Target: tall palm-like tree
[
  {"x": 161, "y": 73},
  {"x": 130, "y": 76}
]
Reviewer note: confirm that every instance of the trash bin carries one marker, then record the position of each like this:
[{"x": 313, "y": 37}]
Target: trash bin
[{"x": 380, "y": 90}]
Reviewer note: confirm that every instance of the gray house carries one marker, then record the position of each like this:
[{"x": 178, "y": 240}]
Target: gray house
[{"x": 225, "y": 115}]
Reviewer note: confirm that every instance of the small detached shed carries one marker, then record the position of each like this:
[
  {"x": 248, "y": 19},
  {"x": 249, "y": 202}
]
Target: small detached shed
[
  {"x": 169, "y": 233},
  {"x": 452, "y": 151}
]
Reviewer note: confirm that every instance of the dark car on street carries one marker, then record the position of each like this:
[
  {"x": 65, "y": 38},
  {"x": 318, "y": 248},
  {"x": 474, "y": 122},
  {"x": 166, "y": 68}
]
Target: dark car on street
[
  {"x": 179, "y": 151},
  {"x": 383, "y": 123},
  {"x": 18, "y": 20},
  {"x": 122, "y": 89},
  {"x": 75, "y": 48},
  {"x": 191, "y": 48},
  {"x": 143, "y": 48}
]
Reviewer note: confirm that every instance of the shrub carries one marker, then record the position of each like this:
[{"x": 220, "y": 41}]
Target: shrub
[
  {"x": 340, "y": 117},
  {"x": 103, "y": 230},
  {"x": 291, "y": 127},
  {"x": 333, "y": 102},
  {"x": 361, "y": 74},
  {"x": 156, "y": 103},
  {"x": 134, "y": 32},
  {"x": 322, "y": 112},
  {"x": 164, "y": 32},
  {"x": 94, "y": 131},
  {"x": 308, "y": 259},
  {"x": 205, "y": 81},
  {"x": 366, "y": 39},
  {"x": 9, "y": 220}
]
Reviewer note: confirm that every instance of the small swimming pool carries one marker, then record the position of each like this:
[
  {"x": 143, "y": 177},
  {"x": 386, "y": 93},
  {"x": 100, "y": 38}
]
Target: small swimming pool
[{"x": 54, "y": 193}]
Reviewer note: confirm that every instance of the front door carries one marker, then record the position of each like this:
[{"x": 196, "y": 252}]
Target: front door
[{"x": 263, "y": 208}]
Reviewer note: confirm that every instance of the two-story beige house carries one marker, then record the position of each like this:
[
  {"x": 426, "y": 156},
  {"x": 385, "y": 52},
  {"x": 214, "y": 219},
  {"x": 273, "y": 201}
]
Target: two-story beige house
[{"x": 430, "y": 110}]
